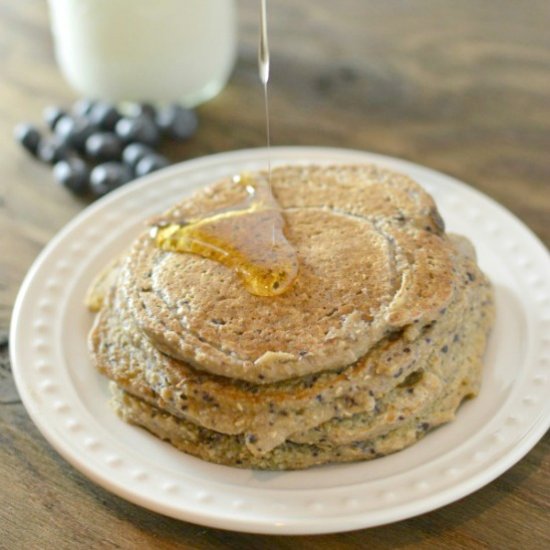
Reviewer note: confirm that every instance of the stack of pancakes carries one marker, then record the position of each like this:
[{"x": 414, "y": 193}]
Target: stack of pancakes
[{"x": 378, "y": 341}]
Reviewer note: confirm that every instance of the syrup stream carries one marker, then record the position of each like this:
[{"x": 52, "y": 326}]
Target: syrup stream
[{"x": 263, "y": 69}]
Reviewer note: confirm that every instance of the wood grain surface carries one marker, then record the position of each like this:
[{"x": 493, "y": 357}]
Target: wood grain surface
[{"x": 463, "y": 87}]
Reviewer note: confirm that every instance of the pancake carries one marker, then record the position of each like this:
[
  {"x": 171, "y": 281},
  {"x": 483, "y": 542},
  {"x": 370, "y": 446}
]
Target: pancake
[
  {"x": 231, "y": 450},
  {"x": 373, "y": 258},
  {"x": 380, "y": 338}
]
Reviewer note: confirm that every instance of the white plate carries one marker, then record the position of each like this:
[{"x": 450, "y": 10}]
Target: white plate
[{"x": 67, "y": 399}]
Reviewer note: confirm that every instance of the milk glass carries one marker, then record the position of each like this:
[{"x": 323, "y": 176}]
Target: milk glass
[{"x": 145, "y": 50}]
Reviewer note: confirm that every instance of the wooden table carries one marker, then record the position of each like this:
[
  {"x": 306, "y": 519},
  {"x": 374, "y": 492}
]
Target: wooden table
[{"x": 463, "y": 87}]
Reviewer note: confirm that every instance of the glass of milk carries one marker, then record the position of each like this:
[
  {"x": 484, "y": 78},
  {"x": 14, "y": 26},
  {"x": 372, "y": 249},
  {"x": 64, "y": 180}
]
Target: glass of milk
[{"x": 145, "y": 50}]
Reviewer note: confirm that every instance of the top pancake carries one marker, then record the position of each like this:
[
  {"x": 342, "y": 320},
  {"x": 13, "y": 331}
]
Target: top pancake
[{"x": 373, "y": 258}]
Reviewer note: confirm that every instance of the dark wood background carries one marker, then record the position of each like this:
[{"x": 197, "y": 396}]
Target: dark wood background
[{"x": 463, "y": 87}]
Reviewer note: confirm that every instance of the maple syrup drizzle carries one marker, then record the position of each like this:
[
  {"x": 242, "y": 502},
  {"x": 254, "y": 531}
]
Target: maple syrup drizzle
[{"x": 248, "y": 238}]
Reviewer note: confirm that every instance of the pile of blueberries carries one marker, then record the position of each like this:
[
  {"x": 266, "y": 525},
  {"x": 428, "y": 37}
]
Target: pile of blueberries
[{"x": 94, "y": 148}]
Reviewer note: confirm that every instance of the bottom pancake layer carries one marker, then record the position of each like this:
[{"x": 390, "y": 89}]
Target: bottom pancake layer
[{"x": 231, "y": 450}]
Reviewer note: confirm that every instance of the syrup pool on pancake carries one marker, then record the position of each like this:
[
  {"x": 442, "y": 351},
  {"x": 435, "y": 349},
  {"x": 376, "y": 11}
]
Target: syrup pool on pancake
[{"x": 248, "y": 238}]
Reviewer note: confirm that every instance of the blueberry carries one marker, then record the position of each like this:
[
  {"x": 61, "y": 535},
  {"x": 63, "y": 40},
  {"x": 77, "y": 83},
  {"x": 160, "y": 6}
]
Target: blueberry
[
  {"x": 82, "y": 107},
  {"x": 104, "y": 115},
  {"x": 73, "y": 174},
  {"x": 143, "y": 109},
  {"x": 141, "y": 129},
  {"x": 108, "y": 176},
  {"x": 28, "y": 136},
  {"x": 52, "y": 149},
  {"x": 73, "y": 131},
  {"x": 150, "y": 163},
  {"x": 103, "y": 146},
  {"x": 52, "y": 114},
  {"x": 134, "y": 152},
  {"x": 177, "y": 122}
]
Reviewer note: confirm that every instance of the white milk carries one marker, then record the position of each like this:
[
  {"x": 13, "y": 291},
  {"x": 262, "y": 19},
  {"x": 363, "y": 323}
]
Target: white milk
[{"x": 151, "y": 50}]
